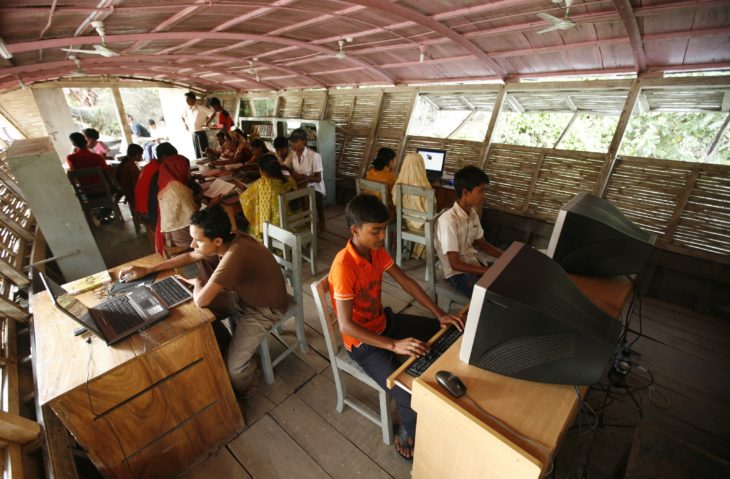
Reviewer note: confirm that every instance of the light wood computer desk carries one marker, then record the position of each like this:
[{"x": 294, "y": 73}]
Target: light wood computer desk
[
  {"x": 456, "y": 439},
  {"x": 148, "y": 406}
]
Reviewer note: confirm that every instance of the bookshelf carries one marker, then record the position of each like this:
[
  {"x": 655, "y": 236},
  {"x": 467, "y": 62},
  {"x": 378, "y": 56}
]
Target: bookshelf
[{"x": 321, "y": 138}]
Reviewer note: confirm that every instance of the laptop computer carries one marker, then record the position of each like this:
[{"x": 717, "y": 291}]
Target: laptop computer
[
  {"x": 119, "y": 317},
  {"x": 434, "y": 161}
]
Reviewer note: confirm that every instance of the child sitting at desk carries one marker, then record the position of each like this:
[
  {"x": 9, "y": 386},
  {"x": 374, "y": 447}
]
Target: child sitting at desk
[
  {"x": 375, "y": 336},
  {"x": 239, "y": 278},
  {"x": 458, "y": 231}
]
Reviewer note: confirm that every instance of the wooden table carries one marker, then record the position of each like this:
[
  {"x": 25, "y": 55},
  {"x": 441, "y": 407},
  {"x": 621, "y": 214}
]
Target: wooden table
[
  {"x": 456, "y": 439},
  {"x": 148, "y": 406}
]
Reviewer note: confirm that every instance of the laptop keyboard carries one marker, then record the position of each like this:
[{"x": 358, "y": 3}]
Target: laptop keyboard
[
  {"x": 438, "y": 348},
  {"x": 120, "y": 314},
  {"x": 171, "y": 292}
]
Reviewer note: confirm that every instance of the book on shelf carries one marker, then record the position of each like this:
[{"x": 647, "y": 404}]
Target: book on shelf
[{"x": 263, "y": 130}]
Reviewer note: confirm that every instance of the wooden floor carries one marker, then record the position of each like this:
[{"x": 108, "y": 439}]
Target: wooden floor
[{"x": 293, "y": 429}]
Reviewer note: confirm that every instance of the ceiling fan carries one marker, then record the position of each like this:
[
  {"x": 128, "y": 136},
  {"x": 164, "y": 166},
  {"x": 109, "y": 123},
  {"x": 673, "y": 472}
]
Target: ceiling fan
[
  {"x": 98, "y": 49},
  {"x": 557, "y": 23},
  {"x": 78, "y": 72},
  {"x": 342, "y": 54}
]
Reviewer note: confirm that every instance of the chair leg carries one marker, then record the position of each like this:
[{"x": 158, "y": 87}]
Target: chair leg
[
  {"x": 386, "y": 422},
  {"x": 340, "y": 387},
  {"x": 398, "y": 248},
  {"x": 313, "y": 255},
  {"x": 301, "y": 336},
  {"x": 266, "y": 368}
]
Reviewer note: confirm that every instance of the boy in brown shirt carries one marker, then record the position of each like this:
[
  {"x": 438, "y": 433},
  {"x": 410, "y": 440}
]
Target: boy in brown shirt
[{"x": 239, "y": 278}]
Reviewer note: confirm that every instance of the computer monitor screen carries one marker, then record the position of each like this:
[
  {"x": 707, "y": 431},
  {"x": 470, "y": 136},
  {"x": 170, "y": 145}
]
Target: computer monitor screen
[
  {"x": 528, "y": 320},
  {"x": 592, "y": 237},
  {"x": 434, "y": 160}
]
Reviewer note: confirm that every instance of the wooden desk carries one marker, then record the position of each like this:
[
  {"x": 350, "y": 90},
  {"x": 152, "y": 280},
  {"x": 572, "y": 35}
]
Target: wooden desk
[
  {"x": 456, "y": 439},
  {"x": 149, "y": 406}
]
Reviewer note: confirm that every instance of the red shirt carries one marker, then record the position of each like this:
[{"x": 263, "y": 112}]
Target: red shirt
[
  {"x": 85, "y": 158},
  {"x": 225, "y": 121},
  {"x": 353, "y": 277}
]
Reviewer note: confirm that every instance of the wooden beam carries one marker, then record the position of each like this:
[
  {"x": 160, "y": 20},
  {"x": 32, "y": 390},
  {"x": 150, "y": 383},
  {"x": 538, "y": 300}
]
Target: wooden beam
[
  {"x": 716, "y": 142},
  {"x": 725, "y": 101},
  {"x": 9, "y": 271},
  {"x": 514, "y": 104},
  {"x": 618, "y": 134},
  {"x": 533, "y": 184},
  {"x": 9, "y": 118},
  {"x": 402, "y": 144},
  {"x": 122, "y": 115},
  {"x": 496, "y": 110},
  {"x": 632, "y": 29},
  {"x": 565, "y": 130},
  {"x": 681, "y": 204},
  {"x": 17, "y": 429},
  {"x": 644, "y": 106},
  {"x": 570, "y": 102},
  {"x": 370, "y": 144},
  {"x": 463, "y": 122},
  {"x": 466, "y": 103}
]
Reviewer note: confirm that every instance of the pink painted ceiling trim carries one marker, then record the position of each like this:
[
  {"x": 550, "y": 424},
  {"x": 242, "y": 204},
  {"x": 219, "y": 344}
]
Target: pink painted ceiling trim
[
  {"x": 632, "y": 29},
  {"x": 60, "y": 42}
]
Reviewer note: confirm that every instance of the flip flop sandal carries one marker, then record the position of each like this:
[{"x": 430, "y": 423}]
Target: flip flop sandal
[{"x": 400, "y": 433}]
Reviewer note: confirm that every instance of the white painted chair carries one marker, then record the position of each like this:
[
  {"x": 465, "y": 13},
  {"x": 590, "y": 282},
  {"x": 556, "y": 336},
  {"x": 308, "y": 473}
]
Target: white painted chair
[
  {"x": 283, "y": 245},
  {"x": 341, "y": 361},
  {"x": 438, "y": 287},
  {"x": 302, "y": 223},
  {"x": 403, "y": 233},
  {"x": 381, "y": 191}
]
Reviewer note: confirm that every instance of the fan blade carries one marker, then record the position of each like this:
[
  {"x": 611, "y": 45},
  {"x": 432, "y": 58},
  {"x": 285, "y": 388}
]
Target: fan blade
[
  {"x": 102, "y": 50},
  {"x": 76, "y": 50},
  {"x": 550, "y": 18},
  {"x": 550, "y": 29}
]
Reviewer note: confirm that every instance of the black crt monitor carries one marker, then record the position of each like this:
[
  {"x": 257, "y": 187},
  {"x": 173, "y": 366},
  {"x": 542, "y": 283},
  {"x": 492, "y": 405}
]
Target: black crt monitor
[
  {"x": 592, "y": 237},
  {"x": 434, "y": 160},
  {"x": 528, "y": 320}
]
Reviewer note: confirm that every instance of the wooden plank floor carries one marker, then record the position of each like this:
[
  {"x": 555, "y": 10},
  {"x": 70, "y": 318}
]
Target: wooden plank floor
[{"x": 293, "y": 429}]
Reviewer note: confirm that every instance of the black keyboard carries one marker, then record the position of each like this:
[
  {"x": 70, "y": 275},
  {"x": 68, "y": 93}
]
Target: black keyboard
[
  {"x": 438, "y": 348},
  {"x": 120, "y": 314},
  {"x": 171, "y": 292}
]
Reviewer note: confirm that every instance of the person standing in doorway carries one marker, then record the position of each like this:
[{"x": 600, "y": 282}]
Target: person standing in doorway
[
  {"x": 194, "y": 117},
  {"x": 307, "y": 165}
]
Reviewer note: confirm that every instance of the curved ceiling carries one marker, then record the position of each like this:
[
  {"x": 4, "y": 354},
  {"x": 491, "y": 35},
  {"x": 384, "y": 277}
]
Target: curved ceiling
[{"x": 276, "y": 44}]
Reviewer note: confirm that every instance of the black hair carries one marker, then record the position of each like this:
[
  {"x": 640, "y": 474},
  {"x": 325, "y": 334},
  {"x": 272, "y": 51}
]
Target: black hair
[
  {"x": 214, "y": 222},
  {"x": 190, "y": 95},
  {"x": 151, "y": 122},
  {"x": 165, "y": 149},
  {"x": 269, "y": 164},
  {"x": 222, "y": 134},
  {"x": 260, "y": 144},
  {"x": 469, "y": 178},
  {"x": 134, "y": 149},
  {"x": 91, "y": 133},
  {"x": 365, "y": 208},
  {"x": 242, "y": 133},
  {"x": 77, "y": 139},
  {"x": 130, "y": 116},
  {"x": 385, "y": 155},
  {"x": 298, "y": 134},
  {"x": 214, "y": 102},
  {"x": 280, "y": 142}
]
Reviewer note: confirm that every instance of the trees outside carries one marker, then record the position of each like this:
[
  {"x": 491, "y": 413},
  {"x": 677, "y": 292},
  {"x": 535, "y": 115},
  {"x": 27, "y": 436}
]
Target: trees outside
[
  {"x": 142, "y": 103},
  {"x": 93, "y": 108}
]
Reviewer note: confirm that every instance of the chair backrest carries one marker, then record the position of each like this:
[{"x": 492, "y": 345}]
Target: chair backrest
[
  {"x": 286, "y": 248},
  {"x": 305, "y": 218},
  {"x": 327, "y": 316},
  {"x": 89, "y": 181},
  {"x": 375, "y": 188},
  {"x": 407, "y": 214},
  {"x": 431, "y": 246}
]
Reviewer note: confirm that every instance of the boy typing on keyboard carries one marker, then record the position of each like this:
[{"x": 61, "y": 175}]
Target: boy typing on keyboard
[{"x": 374, "y": 336}]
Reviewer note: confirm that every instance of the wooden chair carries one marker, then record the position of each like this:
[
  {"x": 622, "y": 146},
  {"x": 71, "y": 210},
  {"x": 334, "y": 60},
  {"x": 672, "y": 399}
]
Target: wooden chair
[
  {"x": 438, "y": 287},
  {"x": 302, "y": 223},
  {"x": 93, "y": 191},
  {"x": 341, "y": 361},
  {"x": 283, "y": 245},
  {"x": 381, "y": 191},
  {"x": 402, "y": 233}
]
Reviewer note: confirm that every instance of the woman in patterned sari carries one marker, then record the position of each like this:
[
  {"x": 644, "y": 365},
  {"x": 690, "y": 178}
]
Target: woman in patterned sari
[{"x": 260, "y": 201}]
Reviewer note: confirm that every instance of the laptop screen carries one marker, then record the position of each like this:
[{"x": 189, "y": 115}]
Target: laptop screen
[
  {"x": 434, "y": 160},
  {"x": 68, "y": 304}
]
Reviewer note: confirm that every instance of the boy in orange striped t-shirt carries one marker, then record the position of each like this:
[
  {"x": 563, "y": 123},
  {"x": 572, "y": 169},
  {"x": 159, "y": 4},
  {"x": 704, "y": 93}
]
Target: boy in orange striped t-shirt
[{"x": 373, "y": 335}]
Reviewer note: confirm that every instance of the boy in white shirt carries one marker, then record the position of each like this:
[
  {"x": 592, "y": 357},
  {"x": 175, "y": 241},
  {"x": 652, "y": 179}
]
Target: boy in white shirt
[
  {"x": 307, "y": 166},
  {"x": 459, "y": 232}
]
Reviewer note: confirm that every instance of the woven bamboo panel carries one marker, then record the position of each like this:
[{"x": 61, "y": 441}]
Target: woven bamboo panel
[
  {"x": 14, "y": 207},
  {"x": 313, "y": 104},
  {"x": 705, "y": 221},
  {"x": 570, "y": 100},
  {"x": 562, "y": 175},
  {"x": 459, "y": 153},
  {"x": 353, "y": 114},
  {"x": 290, "y": 106},
  {"x": 511, "y": 170},
  {"x": 647, "y": 190},
  {"x": 460, "y": 101},
  {"x": 675, "y": 99},
  {"x": 20, "y": 108},
  {"x": 352, "y": 157}
]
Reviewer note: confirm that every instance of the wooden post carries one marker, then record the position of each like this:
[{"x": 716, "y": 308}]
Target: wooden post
[
  {"x": 565, "y": 130},
  {"x": 681, "y": 204},
  {"x": 618, "y": 135},
  {"x": 402, "y": 144},
  {"x": 533, "y": 182},
  {"x": 122, "y": 116},
  {"x": 463, "y": 122},
  {"x": 323, "y": 107},
  {"x": 370, "y": 143},
  {"x": 716, "y": 143},
  {"x": 498, "y": 102},
  {"x": 56, "y": 117}
]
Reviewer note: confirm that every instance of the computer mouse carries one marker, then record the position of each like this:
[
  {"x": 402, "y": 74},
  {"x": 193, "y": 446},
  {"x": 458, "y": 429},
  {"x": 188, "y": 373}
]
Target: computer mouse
[{"x": 451, "y": 383}]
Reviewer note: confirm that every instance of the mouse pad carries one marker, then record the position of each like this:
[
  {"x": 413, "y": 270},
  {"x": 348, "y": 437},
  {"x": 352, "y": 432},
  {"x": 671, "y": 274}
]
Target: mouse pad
[{"x": 120, "y": 287}]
